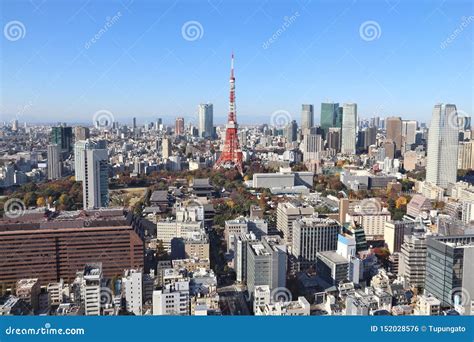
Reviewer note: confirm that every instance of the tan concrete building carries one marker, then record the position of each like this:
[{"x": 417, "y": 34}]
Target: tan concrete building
[{"x": 287, "y": 213}]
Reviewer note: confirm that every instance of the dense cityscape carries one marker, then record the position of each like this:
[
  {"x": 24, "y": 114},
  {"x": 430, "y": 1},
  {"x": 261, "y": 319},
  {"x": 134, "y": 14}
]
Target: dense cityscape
[{"x": 351, "y": 216}]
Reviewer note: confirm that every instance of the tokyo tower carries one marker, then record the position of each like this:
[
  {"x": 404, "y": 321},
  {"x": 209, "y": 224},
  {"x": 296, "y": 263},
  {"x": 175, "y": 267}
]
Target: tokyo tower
[{"x": 231, "y": 155}]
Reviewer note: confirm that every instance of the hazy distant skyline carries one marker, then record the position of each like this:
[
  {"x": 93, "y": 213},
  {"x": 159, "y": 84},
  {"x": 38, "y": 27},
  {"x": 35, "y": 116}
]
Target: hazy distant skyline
[{"x": 144, "y": 63}]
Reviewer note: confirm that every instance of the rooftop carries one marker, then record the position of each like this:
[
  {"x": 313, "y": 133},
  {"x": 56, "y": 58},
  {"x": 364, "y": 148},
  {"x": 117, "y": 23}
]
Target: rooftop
[
  {"x": 333, "y": 257},
  {"x": 67, "y": 220},
  {"x": 23, "y": 284}
]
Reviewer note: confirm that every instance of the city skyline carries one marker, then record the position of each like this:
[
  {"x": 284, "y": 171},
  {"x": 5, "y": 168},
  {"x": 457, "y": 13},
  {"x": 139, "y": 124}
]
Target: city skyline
[
  {"x": 281, "y": 65},
  {"x": 166, "y": 180}
]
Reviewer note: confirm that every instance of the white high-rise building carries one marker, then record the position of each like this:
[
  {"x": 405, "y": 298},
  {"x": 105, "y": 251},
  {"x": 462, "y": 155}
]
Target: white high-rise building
[
  {"x": 79, "y": 147},
  {"x": 442, "y": 158},
  {"x": 349, "y": 128},
  {"x": 132, "y": 287},
  {"x": 206, "y": 120},
  {"x": 95, "y": 186}
]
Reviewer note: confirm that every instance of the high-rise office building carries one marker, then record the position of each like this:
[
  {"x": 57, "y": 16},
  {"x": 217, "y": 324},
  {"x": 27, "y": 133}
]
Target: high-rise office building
[
  {"x": 79, "y": 147},
  {"x": 375, "y": 122},
  {"x": 395, "y": 232},
  {"x": 287, "y": 213},
  {"x": 449, "y": 271},
  {"x": 333, "y": 138},
  {"x": 62, "y": 136},
  {"x": 310, "y": 236},
  {"x": 81, "y": 133},
  {"x": 179, "y": 126},
  {"x": 158, "y": 124},
  {"x": 312, "y": 145},
  {"x": 412, "y": 262},
  {"x": 266, "y": 264},
  {"x": 443, "y": 146},
  {"x": 389, "y": 148},
  {"x": 206, "y": 120},
  {"x": 370, "y": 136},
  {"x": 331, "y": 116},
  {"x": 464, "y": 122},
  {"x": 394, "y": 132},
  {"x": 95, "y": 185},
  {"x": 307, "y": 117},
  {"x": 466, "y": 155},
  {"x": 366, "y": 137},
  {"x": 291, "y": 131},
  {"x": 349, "y": 128},
  {"x": 166, "y": 148},
  {"x": 409, "y": 128},
  {"x": 15, "y": 125},
  {"x": 54, "y": 161}
]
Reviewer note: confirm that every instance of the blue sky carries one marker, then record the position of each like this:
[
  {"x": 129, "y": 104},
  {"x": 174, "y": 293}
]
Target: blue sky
[{"x": 143, "y": 66}]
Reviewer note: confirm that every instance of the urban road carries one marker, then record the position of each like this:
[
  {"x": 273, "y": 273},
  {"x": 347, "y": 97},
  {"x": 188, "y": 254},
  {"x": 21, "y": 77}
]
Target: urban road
[{"x": 232, "y": 301}]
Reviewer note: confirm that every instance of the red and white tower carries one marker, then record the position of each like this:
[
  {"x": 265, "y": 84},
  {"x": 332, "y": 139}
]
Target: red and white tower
[{"x": 231, "y": 155}]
